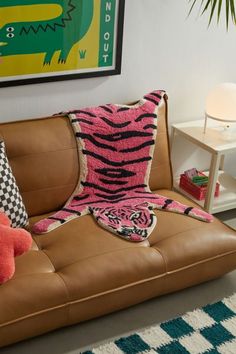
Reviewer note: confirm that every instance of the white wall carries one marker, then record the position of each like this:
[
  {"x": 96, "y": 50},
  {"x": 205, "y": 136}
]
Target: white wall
[{"x": 162, "y": 48}]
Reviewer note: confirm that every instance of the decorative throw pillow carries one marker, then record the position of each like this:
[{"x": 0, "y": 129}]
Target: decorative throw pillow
[
  {"x": 13, "y": 243},
  {"x": 10, "y": 199}
]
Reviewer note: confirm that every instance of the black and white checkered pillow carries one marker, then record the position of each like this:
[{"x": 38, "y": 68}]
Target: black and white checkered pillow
[{"x": 11, "y": 202}]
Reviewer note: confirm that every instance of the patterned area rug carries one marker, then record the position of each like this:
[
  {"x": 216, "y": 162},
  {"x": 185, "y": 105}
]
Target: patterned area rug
[{"x": 208, "y": 330}]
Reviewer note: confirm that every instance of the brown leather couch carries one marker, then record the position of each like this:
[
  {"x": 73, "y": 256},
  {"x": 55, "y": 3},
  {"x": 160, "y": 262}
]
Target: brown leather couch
[{"x": 80, "y": 271}]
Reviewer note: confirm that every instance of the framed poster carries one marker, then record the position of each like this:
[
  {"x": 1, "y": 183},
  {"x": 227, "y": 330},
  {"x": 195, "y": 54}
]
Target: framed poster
[{"x": 50, "y": 40}]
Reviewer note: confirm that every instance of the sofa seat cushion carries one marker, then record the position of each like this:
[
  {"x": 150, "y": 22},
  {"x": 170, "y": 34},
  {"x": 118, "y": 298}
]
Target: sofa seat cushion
[
  {"x": 80, "y": 270},
  {"x": 78, "y": 240},
  {"x": 183, "y": 232},
  {"x": 184, "y": 241},
  {"x": 102, "y": 261},
  {"x": 34, "y": 289},
  {"x": 62, "y": 268},
  {"x": 91, "y": 260}
]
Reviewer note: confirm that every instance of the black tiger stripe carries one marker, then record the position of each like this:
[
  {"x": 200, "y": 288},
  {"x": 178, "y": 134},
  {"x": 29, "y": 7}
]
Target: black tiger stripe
[
  {"x": 111, "y": 227},
  {"x": 145, "y": 115},
  {"x": 187, "y": 210},
  {"x": 72, "y": 211},
  {"x": 136, "y": 221},
  {"x": 139, "y": 147},
  {"x": 122, "y": 135},
  {"x": 123, "y": 109},
  {"x": 81, "y": 120},
  {"x": 115, "y": 182},
  {"x": 146, "y": 219},
  {"x": 144, "y": 192},
  {"x": 57, "y": 219},
  {"x": 151, "y": 220},
  {"x": 103, "y": 210},
  {"x": 110, "y": 197},
  {"x": 93, "y": 209},
  {"x": 119, "y": 200},
  {"x": 95, "y": 186},
  {"x": 83, "y": 112},
  {"x": 115, "y": 163},
  {"x": 112, "y": 220},
  {"x": 167, "y": 202},
  {"x": 150, "y": 126},
  {"x": 151, "y": 100},
  {"x": 107, "y": 109},
  {"x": 115, "y": 125},
  {"x": 77, "y": 197},
  {"x": 94, "y": 141},
  {"x": 115, "y": 172},
  {"x": 156, "y": 95}
]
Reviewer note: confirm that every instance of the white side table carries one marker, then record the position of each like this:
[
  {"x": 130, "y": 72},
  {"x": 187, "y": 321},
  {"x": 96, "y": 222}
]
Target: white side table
[{"x": 218, "y": 146}]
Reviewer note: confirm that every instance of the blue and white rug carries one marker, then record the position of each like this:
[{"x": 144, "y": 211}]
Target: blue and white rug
[{"x": 208, "y": 330}]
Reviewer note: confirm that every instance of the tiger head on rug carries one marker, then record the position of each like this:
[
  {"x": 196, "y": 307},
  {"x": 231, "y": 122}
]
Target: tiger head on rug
[{"x": 133, "y": 222}]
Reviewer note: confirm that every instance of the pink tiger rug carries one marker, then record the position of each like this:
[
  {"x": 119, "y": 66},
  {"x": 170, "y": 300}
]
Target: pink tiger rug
[{"x": 116, "y": 144}]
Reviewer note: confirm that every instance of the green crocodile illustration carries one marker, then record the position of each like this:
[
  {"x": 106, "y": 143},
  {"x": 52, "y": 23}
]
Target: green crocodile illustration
[{"x": 59, "y": 33}]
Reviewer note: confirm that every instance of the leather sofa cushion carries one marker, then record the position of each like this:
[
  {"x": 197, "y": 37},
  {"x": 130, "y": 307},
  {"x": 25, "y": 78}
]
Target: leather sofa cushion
[
  {"x": 81, "y": 260},
  {"x": 44, "y": 160},
  {"x": 185, "y": 242},
  {"x": 80, "y": 271}
]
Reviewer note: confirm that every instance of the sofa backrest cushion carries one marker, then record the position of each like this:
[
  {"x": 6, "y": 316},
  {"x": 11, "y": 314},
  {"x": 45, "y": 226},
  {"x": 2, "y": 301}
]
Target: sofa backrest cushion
[{"x": 44, "y": 160}]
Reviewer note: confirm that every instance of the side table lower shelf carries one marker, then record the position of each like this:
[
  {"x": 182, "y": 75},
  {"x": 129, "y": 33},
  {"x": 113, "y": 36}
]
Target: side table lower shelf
[{"x": 227, "y": 197}]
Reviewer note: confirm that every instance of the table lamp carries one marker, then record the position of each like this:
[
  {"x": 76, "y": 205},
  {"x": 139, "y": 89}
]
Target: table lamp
[{"x": 221, "y": 103}]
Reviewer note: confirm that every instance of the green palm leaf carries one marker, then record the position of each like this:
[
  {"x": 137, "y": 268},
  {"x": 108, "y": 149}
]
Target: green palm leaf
[{"x": 215, "y": 7}]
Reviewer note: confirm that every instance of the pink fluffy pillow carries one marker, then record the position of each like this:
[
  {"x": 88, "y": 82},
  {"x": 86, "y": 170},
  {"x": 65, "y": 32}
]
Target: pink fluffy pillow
[{"x": 13, "y": 242}]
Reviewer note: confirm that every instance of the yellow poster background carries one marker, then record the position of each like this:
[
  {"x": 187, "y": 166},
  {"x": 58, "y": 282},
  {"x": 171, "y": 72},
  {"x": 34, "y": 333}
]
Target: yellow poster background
[{"x": 33, "y": 63}]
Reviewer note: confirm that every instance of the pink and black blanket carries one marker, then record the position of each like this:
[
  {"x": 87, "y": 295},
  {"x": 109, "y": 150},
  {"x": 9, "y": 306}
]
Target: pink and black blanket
[{"x": 116, "y": 144}]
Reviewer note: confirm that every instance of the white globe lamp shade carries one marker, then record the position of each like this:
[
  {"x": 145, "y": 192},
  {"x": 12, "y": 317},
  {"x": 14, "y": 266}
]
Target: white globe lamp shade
[{"x": 221, "y": 102}]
